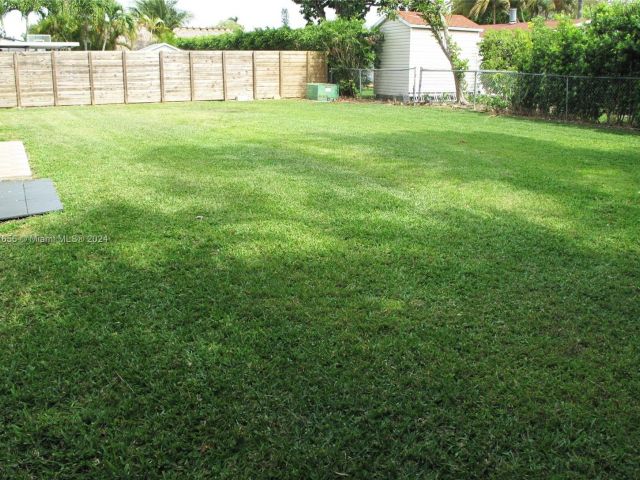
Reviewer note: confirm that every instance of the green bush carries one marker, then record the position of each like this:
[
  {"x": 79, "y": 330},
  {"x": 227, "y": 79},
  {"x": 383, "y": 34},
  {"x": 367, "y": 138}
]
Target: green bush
[
  {"x": 505, "y": 49},
  {"x": 348, "y": 43},
  {"x": 608, "y": 46}
]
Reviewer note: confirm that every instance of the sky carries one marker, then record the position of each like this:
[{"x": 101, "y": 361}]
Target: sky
[{"x": 251, "y": 13}]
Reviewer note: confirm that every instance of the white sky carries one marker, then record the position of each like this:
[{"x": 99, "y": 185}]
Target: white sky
[{"x": 252, "y": 14}]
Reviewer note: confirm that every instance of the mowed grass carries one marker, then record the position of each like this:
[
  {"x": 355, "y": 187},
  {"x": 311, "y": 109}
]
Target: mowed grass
[{"x": 296, "y": 290}]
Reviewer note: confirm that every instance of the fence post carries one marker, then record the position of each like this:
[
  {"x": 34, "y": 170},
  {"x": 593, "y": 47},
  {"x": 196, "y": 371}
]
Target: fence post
[
  {"x": 566, "y": 101},
  {"x": 16, "y": 77},
  {"x": 415, "y": 79},
  {"x": 224, "y": 75},
  {"x": 125, "y": 80},
  {"x": 161, "y": 64},
  {"x": 360, "y": 81},
  {"x": 420, "y": 85},
  {"x": 280, "y": 89},
  {"x": 308, "y": 67},
  {"x": 255, "y": 86},
  {"x": 92, "y": 86},
  {"x": 192, "y": 80},
  {"x": 475, "y": 88},
  {"x": 54, "y": 78}
]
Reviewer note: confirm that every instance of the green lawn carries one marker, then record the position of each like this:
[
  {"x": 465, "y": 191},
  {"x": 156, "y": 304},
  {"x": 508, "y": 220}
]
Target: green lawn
[{"x": 294, "y": 290}]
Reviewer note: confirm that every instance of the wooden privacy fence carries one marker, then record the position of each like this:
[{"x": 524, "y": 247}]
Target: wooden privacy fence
[{"x": 36, "y": 79}]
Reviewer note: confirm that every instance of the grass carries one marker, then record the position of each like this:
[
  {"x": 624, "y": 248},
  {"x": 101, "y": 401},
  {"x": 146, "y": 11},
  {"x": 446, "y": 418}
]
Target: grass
[{"x": 299, "y": 290}]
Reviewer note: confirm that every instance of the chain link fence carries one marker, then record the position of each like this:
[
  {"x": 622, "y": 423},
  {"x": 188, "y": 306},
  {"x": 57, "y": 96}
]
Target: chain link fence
[
  {"x": 371, "y": 83},
  {"x": 603, "y": 100},
  {"x": 611, "y": 100}
]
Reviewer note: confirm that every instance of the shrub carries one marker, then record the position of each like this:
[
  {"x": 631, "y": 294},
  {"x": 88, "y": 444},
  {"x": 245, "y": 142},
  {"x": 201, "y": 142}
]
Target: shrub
[
  {"x": 348, "y": 43},
  {"x": 505, "y": 49},
  {"x": 607, "y": 46}
]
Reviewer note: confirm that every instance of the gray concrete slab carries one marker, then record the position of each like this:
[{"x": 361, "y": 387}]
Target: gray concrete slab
[{"x": 14, "y": 163}]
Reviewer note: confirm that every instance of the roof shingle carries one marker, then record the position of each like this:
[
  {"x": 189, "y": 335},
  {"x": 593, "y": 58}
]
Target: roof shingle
[{"x": 455, "y": 21}]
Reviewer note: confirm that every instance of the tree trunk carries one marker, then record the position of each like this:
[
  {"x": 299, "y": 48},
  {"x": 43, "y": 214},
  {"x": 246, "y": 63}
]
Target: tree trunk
[
  {"x": 494, "y": 12},
  {"x": 580, "y": 5},
  {"x": 445, "y": 40}
]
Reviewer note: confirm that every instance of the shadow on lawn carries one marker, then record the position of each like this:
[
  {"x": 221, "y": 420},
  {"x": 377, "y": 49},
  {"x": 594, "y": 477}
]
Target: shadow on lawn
[{"x": 280, "y": 342}]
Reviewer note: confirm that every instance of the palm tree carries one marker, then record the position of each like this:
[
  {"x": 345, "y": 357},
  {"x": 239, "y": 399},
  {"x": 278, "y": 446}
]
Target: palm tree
[
  {"x": 481, "y": 6},
  {"x": 59, "y": 21},
  {"x": 88, "y": 14},
  {"x": 154, "y": 25},
  {"x": 164, "y": 10},
  {"x": 116, "y": 22},
  {"x": 542, "y": 8}
]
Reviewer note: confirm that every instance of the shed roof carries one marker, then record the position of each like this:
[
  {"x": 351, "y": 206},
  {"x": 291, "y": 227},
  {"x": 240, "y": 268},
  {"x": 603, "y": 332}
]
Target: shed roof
[{"x": 454, "y": 21}]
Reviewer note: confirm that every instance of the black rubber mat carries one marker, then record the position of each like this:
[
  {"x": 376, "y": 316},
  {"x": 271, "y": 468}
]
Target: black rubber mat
[{"x": 19, "y": 199}]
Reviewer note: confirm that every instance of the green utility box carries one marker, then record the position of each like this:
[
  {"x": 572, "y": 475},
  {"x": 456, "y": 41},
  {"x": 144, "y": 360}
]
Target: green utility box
[{"x": 322, "y": 92}]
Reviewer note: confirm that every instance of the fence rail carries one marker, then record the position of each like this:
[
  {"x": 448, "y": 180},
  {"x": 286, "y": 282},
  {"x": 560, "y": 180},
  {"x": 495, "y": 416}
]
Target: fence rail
[{"x": 33, "y": 79}]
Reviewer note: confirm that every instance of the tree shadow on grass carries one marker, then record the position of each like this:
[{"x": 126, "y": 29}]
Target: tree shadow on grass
[{"x": 277, "y": 342}]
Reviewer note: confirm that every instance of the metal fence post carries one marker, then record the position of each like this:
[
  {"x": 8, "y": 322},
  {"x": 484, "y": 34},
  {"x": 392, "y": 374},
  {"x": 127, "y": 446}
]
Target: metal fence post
[
  {"x": 420, "y": 85},
  {"x": 475, "y": 88},
  {"x": 566, "y": 101},
  {"x": 415, "y": 77},
  {"x": 360, "y": 80}
]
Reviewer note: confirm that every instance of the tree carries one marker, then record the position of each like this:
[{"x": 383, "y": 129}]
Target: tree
[
  {"x": 284, "y": 13},
  {"x": 154, "y": 25},
  {"x": 435, "y": 14},
  {"x": 540, "y": 8},
  {"x": 481, "y": 6},
  {"x": 93, "y": 23},
  {"x": 116, "y": 23},
  {"x": 316, "y": 10},
  {"x": 231, "y": 24},
  {"x": 164, "y": 10},
  {"x": 313, "y": 10}
]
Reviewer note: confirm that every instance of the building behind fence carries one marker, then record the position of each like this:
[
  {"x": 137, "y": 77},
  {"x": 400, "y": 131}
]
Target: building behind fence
[{"x": 91, "y": 78}]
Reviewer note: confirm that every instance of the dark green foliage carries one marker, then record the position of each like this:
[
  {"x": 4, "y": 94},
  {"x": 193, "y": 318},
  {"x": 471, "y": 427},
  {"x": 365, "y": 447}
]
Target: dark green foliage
[
  {"x": 505, "y": 50},
  {"x": 165, "y": 10},
  {"x": 316, "y": 10},
  {"x": 608, "y": 46},
  {"x": 348, "y": 43},
  {"x": 95, "y": 24}
]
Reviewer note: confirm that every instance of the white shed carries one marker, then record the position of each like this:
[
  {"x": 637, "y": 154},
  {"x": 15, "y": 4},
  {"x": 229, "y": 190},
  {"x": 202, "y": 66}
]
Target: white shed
[{"x": 409, "y": 45}]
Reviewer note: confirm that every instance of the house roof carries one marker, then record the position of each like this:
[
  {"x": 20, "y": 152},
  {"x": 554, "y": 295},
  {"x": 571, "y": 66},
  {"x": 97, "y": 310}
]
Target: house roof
[
  {"x": 526, "y": 25},
  {"x": 155, "y": 47},
  {"x": 453, "y": 21},
  {"x": 18, "y": 44}
]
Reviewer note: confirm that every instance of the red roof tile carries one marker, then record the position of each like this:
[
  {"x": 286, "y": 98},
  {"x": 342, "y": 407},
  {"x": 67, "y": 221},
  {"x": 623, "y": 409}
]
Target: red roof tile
[{"x": 455, "y": 21}]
